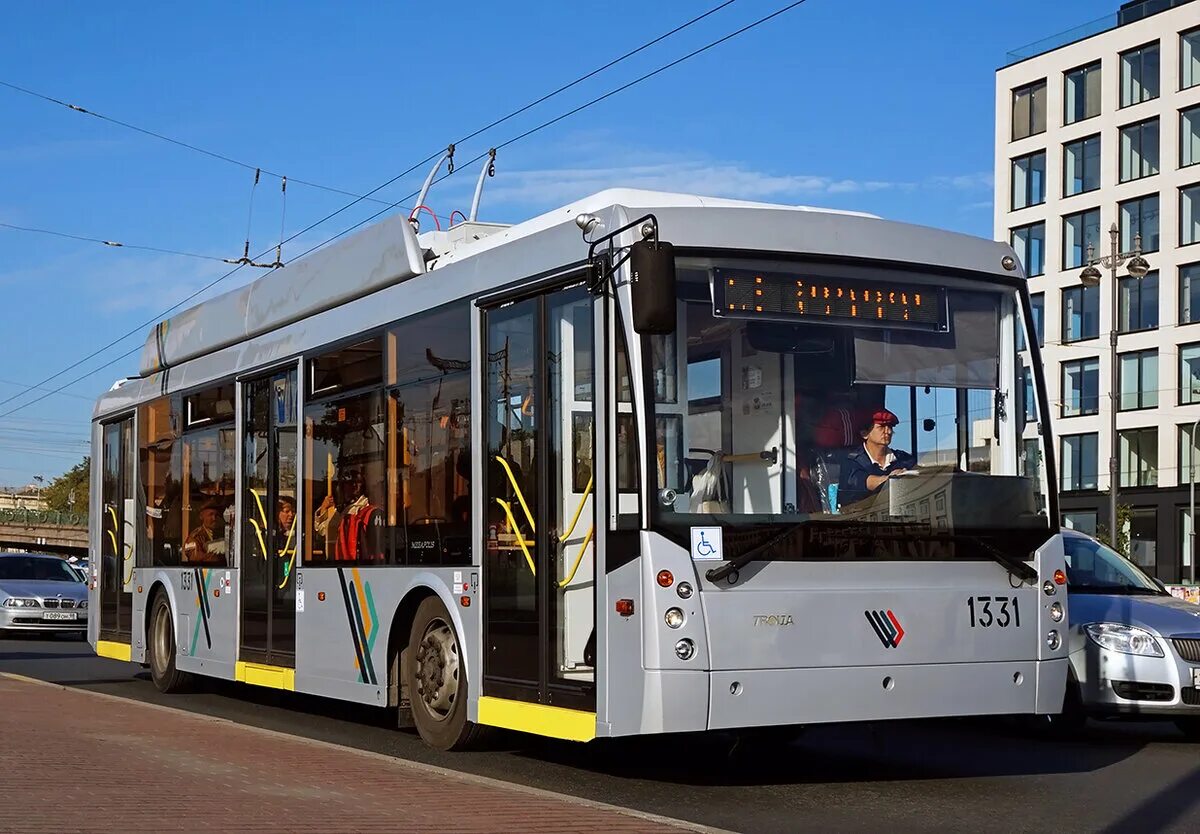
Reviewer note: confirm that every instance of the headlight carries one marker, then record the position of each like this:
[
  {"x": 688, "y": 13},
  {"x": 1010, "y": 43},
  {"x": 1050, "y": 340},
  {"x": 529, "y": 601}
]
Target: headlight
[
  {"x": 684, "y": 649},
  {"x": 1056, "y": 611},
  {"x": 21, "y": 602},
  {"x": 1123, "y": 638},
  {"x": 673, "y": 618},
  {"x": 81, "y": 604}
]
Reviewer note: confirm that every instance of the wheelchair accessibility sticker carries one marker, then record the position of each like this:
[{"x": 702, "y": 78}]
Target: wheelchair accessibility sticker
[{"x": 706, "y": 543}]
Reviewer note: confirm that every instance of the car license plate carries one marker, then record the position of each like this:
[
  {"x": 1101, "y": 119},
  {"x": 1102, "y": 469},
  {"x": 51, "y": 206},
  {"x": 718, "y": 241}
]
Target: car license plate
[
  {"x": 1195, "y": 677},
  {"x": 59, "y": 615}
]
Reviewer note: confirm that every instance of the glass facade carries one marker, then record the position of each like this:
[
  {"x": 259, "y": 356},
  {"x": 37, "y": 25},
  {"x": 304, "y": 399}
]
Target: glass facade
[
  {"x": 1029, "y": 180},
  {"x": 1137, "y": 375},
  {"x": 1139, "y": 150},
  {"x": 1080, "y": 387},
  {"x": 1189, "y": 136},
  {"x": 1081, "y": 93},
  {"x": 1029, "y": 110},
  {"x": 1029, "y": 242},
  {"x": 1080, "y": 313},
  {"x": 1138, "y": 449},
  {"x": 1081, "y": 166},
  {"x": 1078, "y": 460},
  {"x": 1079, "y": 231},
  {"x": 1139, "y": 217},
  {"x": 1189, "y": 215},
  {"x": 1189, "y": 293},
  {"x": 1189, "y": 374},
  {"x": 1139, "y": 74},
  {"x": 1138, "y": 303}
]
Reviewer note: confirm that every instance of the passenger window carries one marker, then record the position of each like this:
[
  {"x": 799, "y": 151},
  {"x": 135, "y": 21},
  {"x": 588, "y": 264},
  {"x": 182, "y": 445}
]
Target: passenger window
[
  {"x": 161, "y": 460},
  {"x": 346, "y": 369}
]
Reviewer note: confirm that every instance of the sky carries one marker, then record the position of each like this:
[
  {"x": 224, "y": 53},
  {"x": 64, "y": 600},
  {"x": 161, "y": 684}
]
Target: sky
[{"x": 870, "y": 105}]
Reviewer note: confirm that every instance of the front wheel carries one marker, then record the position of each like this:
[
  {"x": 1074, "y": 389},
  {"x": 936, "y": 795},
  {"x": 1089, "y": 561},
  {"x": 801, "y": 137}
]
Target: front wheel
[
  {"x": 437, "y": 680},
  {"x": 160, "y": 643}
]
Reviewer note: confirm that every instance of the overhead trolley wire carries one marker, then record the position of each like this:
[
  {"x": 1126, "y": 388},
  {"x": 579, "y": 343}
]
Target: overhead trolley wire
[
  {"x": 406, "y": 172},
  {"x": 115, "y": 244}
]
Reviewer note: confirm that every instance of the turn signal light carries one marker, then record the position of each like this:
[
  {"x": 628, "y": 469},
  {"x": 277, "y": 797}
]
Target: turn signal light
[
  {"x": 665, "y": 578},
  {"x": 466, "y": 601},
  {"x": 625, "y": 607},
  {"x": 1060, "y": 578}
]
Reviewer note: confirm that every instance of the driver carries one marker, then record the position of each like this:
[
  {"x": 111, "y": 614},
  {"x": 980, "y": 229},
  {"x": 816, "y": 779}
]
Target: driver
[{"x": 867, "y": 469}]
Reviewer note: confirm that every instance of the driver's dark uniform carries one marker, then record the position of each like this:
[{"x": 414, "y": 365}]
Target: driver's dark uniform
[{"x": 852, "y": 485}]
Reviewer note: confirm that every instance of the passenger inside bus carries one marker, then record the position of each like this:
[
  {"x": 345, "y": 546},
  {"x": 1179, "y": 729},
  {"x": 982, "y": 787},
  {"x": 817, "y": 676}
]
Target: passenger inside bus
[
  {"x": 206, "y": 543},
  {"x": 352, "y": 527}
]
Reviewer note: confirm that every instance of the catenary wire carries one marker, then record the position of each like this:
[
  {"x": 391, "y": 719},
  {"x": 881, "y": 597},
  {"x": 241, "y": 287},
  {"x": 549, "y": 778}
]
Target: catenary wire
[
  {"x": 644, "y": 77},
  {"x": 112, "y": 243}
]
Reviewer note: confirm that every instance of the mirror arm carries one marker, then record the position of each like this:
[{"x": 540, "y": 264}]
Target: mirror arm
[{"x": 598, "y": 266}]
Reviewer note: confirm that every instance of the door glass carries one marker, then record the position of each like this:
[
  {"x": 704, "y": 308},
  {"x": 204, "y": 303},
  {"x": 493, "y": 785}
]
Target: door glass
[
  {"x": 256, "y": 528},
  {"x": 116, "y": 546},
  {"x": 510, "y": 414},
  {"x": 283, "y": 404},
  {"x": 570, "y": 371}
]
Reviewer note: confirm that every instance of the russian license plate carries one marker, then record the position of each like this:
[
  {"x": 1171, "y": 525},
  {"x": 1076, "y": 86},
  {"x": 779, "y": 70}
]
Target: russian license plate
[
  {"x": 59, "y": 615},
  {"x": 1195, "y": 677}
]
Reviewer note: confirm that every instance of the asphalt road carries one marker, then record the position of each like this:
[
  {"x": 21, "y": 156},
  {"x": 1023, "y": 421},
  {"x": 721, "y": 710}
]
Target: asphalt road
[{"x": 931, "y": 775}]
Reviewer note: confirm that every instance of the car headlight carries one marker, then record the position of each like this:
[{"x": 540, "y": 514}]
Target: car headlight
[
  {"x": 1124, "y": 638},
  {"x": 21, "y": 602},
  {"x": 81, "y": 604}
]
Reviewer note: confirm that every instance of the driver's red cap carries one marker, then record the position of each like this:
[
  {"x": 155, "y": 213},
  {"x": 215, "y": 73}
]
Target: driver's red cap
[{"x": 884, "y": 418}]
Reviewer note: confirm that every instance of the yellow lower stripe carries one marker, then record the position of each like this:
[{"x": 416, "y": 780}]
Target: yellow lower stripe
[
  {"x": 555, "y": 722},
  {"x": 259, "y": 674},
  {"x": 116, "y": 651}
]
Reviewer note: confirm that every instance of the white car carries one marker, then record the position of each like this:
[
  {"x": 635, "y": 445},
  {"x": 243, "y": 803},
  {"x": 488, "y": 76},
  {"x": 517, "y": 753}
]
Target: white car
[
  {"x": 1135, "y": 649},
  {"x": 41, "y": 594}
]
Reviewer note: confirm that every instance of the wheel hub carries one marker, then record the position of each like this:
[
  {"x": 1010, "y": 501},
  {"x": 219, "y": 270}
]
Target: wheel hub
[{"x": 437, "y": 669}]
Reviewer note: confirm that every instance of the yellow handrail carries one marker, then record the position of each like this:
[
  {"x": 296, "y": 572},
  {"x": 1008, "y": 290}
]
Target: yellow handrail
[
  {"x": 578, "y": 559},
  {"x": 258, "y": 532},
  {"x": 287, "y": 569},
  {"x": 512, "y": 479},
  {"x": 262, "y": 511},
  {"x": 129, "y": 559},
  {"x": 587, "y": 491},
  {"x": 520, "y": 539}
]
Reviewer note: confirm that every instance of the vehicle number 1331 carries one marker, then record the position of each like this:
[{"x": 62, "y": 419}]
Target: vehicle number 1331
[{"x": 998, "y": 612}]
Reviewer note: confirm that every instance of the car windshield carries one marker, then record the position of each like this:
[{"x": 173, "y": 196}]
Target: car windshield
[
  {"x": 36, "y": 568},
  {"x": 842, "y": 399},
  {"x": 1097, "y": 569}
]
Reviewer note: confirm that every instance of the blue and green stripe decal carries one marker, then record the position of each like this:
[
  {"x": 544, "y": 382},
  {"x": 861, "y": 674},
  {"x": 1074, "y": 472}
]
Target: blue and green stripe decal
[
  {"x": 202, "y": 578},
  {"x": 364, "y": 623}
]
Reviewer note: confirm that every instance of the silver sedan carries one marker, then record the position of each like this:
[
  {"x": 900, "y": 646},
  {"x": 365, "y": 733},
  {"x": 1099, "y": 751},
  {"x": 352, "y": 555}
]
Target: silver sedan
[
  {"x": 1135, "y": 649},
  {"x": 41, "y": 594}
]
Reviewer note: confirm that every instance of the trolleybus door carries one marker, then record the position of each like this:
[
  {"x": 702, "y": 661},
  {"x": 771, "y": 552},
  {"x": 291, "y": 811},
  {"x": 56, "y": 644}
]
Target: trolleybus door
[
  {"x": 269, "y": 526},
  {"x": 117, "y": 535},
  {"x": 539, "y": 570}
]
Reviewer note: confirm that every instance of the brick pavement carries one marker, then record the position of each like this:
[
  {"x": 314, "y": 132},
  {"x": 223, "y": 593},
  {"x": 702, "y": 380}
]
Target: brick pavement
[{"x": 82, "y": 761}]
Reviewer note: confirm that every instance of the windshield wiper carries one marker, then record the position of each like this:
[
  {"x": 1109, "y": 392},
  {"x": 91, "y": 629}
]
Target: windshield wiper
[
  {"x": 717, "y": 574},
  {"x": 1013, "y": 565}
]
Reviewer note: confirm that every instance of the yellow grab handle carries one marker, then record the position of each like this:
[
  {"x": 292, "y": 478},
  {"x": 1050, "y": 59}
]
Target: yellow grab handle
[
  {"x": 287, "y": 569},
  {"x": 578, "y": 559},
  {"x": 587, "y": 491},
  {"x": 262, "y": 511},
  {"x": 512, "y": 479},
  {"x": 258, "y": 532},
  {"x": 520, "y": 539}
]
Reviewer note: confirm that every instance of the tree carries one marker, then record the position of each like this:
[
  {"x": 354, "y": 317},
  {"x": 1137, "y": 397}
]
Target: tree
[
  {"x": 1124, "y": 523},
  {"x": 69, "y": 491}
]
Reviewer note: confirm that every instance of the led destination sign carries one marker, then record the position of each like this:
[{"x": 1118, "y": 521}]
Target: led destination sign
[{"x": 882, "y": 303}]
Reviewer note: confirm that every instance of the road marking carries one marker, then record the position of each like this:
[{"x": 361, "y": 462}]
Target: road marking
[{"x": 472, "y": 778}]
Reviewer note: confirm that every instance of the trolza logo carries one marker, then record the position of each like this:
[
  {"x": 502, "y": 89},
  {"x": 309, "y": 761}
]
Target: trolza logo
[{"x": 887, "y": 627}]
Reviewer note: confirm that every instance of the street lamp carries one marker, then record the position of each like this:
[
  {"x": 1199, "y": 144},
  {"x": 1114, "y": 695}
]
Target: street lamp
[{"x": 1137, "y": 267}]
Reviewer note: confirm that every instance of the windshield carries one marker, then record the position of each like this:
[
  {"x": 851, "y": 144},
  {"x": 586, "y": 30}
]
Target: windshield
[
  {"x": 26, "y": 568},
  {"x": 1093, "y": 568},
  {"x": 860, "y": 402}
]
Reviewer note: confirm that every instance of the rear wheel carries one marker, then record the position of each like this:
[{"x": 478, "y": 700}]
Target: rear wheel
[
  {"x": 160, "y": 643},
  {"x": 437, "y": 680}
]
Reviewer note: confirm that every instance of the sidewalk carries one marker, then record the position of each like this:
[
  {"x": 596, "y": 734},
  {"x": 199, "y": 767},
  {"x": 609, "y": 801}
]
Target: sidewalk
[{"x": 80, "y": 761}]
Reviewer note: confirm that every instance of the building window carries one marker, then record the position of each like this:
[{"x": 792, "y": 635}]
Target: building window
[
  {"x": 1080, "y": 313},
  {"x": 1080, "y": 230},
  {"x": 1078, "y": 458},
  {"x": 1138, "y": 301},
  {"x": 1081, "y": 93},
  {"x": 1030, "y": 245},
  {"x": 1187, "y": 448},
  {"x": 1189, "y": 293},
  {"x": 1139, "y": 74},
  {"x": 1139, "y": 150},
  {"x": 1137, "y": 375},
  {"x": 1030, "y": 395},
  {"x": 1082, "y": 520},
  {"x": 1038, "y": 302},
  {"x": 1029, "y": 110},
  {"x": 1187, "y": 544},
  {"x": 1189, "y": 214},
  {"x": 1142, "y": 530},
  {"x": 1080, "y": 387},
  {"x": 1139, "y": 457},
  {"x": 1189, "y": 59},
  {"x": 1031, "y": 459},
  {"x": 1189, "y": 136},
  {"x": 1189, "y": 374},
  {"x": 1139, "y": 217},
  {"x": 1081, "y": 166},
  {"x": 1029, "y": 180}
]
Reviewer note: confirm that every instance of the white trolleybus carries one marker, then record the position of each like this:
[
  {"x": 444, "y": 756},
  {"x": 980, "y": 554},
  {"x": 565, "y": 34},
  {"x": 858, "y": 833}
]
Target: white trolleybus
[{"x": 648, "y": 463}]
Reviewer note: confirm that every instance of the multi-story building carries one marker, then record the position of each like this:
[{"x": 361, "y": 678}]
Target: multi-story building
[{"x": 1095, "y": 128}]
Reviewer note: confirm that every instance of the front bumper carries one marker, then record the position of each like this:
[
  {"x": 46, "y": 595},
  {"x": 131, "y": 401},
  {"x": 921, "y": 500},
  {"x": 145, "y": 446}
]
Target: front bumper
[
  {"x": 33, "y": 619},
  {"x": 1113, "y": 683}
]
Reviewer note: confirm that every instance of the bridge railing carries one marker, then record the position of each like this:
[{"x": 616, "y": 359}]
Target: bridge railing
[{"x": 42, "y": 518}]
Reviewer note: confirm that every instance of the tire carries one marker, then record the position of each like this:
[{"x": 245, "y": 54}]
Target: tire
[
  {"x": 1189, "y": 726},
  {"x": 160, "y": 649},
  {"x": 1073, "y": 718},
  {"x": 436, "y": 679}
]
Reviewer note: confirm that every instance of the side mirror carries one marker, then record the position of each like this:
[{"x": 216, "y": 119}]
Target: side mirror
[{"x": 652, "y": 267}]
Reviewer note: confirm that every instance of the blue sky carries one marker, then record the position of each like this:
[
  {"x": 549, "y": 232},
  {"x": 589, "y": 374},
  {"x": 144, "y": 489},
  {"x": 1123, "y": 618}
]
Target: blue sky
[{"x": 865, "y": 104}]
